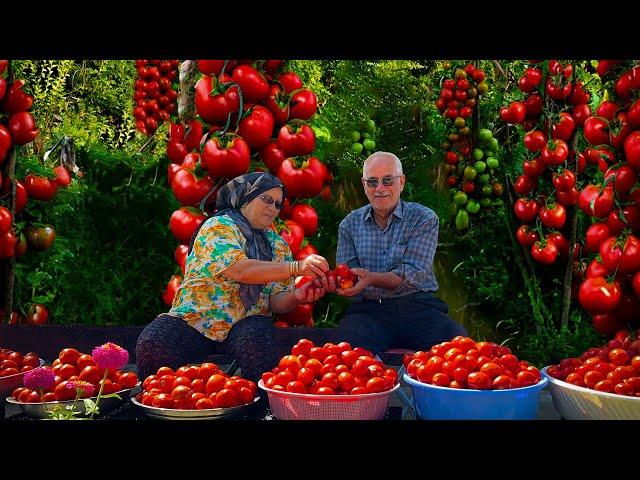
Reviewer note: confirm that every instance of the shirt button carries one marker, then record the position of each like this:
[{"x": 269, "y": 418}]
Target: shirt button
[{"x": 384, "y": 252}]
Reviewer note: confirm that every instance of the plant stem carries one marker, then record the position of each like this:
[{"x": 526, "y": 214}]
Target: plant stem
[{"x": 104, "y": 378}]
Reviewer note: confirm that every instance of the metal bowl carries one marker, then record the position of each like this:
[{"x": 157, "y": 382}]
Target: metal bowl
[
  {"x": 204, "y": 414},
  {"x": 39, "y": 409},
  {"x": 9, "y": 383}
]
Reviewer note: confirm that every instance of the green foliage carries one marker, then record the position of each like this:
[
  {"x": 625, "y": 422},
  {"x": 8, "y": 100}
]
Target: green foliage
[
  {"x": 89, "y": 100},
  {"x": 112, "y": 253}
]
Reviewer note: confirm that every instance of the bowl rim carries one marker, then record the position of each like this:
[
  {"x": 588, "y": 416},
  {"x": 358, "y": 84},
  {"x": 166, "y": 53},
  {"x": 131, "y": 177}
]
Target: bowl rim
[
  {"x": 16, "y": 375},
  {"x": 311, "y": 396},
  {"x": 568, "y": 386},
  {"x": 172, "y": 412},
  {"x": 10, "y": 399},
  {"x": 470, "y": 391}
]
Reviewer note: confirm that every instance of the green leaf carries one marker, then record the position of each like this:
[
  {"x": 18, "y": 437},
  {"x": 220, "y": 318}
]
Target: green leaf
[{"x": 90, "y": 406}]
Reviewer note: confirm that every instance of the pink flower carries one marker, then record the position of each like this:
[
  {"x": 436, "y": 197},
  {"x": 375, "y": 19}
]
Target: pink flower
[
  {"x": 85, "y": 389},
  {"x": 41, "y": 377},
  {"x": 110, "y": 356}
]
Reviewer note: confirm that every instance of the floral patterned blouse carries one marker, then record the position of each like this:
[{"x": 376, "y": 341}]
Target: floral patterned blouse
[{"x": 209, "y": 301}]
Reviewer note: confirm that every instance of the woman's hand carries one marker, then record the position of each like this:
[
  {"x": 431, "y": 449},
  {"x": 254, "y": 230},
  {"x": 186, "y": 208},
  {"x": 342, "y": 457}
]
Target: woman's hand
[
  {"x": 313, "y": 265},
  {"x": 308, "y": 293}
]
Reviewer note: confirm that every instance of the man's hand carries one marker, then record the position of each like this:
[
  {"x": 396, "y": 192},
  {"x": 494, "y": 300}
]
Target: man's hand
[
  {"x": 364, "y": 280},
  {"x": 309, "y": 292}
]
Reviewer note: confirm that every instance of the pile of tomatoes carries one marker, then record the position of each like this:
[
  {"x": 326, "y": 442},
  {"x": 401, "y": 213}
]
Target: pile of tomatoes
[
  {"x": 331, "y": 369},
  {"x": 12, "y": 362},
  {"x": 196, "y": 387},
  {"x": 155, "y": 97},
  {"x": 614, "y": 367},
  {"x": 74, "y": 365},
  {"x": 464, "y": 363}
]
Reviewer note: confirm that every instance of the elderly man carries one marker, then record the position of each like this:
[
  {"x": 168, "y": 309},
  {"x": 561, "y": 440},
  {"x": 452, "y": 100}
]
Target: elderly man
[{"x": 390, "y": 245}]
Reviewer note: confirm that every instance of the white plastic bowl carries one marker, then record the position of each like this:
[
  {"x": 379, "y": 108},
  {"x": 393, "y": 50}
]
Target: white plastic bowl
[{"x": 580, "y": 403}]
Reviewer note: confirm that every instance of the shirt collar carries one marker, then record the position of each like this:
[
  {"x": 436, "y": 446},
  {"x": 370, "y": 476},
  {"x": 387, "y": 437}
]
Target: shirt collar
[{"x": 398, "y": 211}]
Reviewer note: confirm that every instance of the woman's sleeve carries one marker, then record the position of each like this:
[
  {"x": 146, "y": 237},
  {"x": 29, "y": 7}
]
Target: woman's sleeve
[
  {"x": 282, "y": 253},
  {"x": 218, "y": 246}
]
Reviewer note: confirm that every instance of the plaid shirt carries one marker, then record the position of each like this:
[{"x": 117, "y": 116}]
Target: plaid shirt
[{"x": 405, "y": 247}]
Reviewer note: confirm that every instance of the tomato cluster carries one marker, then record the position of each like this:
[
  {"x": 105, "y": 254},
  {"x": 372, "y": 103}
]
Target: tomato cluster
[
  {"x": 302, "y": 315},
  {"x": 608, "y": 274},
  {"x": 332, "y": 369},
  {"x": 155, "y": 96},
  {"x": 246, "y": 109},
  {"x": 12, "y": 362},
  {"x": 73, "y": 365},
  {"x": 471, "y": 163},
  {"x": 37, "y": 314},
  {"x": 465, "y": 363},
  {"x": 196, "y": 387},
  {"x": 614, "y": 367},
  {"x": 598, "y": 177},
  {"x": 19, "y": 129},
  {"x": 16, "y": 237},
  {"x": 553, "y": 109}
]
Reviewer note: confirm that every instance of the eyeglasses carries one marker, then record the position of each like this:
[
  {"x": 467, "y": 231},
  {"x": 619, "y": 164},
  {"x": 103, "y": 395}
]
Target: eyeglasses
[
  {"x": 270, "y": 201},
  {"x": 386, "y": 181}
]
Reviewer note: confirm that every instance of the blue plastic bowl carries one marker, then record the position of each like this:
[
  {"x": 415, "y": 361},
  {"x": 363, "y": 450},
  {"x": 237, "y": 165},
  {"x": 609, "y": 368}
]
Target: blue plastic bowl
[{"x": 442, "y": 403}]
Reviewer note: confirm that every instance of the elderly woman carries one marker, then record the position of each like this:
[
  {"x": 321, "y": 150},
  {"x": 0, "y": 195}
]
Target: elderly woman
[{"x": 238, "y": 272}]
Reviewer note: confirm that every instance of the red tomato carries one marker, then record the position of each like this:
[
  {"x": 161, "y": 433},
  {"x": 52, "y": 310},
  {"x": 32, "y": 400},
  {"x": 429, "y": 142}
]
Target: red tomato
[{"x": 69, "y": 355}]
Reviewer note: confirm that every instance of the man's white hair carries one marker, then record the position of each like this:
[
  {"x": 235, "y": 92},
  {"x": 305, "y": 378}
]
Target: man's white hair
[{"x": 382, "y": 154}]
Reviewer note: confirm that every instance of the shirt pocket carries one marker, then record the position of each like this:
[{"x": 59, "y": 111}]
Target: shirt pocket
[{"x": 396, "y": 253}]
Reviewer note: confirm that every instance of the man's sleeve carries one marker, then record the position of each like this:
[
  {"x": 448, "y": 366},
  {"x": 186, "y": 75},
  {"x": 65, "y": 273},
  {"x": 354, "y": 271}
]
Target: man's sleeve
[
  {"x": 417, "y": 260},
  {"x": 346, "y": 251}
]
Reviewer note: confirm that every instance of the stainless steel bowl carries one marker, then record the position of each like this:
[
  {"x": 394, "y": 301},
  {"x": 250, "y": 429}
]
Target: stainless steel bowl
[
  {"x": 204, "y": 414},
  {"x": 9, "y": 383},
  {"x": 39, "y": 409}
]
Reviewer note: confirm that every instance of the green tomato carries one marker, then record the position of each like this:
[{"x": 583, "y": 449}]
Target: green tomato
[
  {"x": 484, "y": 135},
  {"x": 487, "y": 190},
  {"x": 366, "y": 135},
  {"x": 485, "y": 202},
  {"x": 493, "y": 145},
  {"x": 472, "y": 206},
  {"x": 459, "y": 198},
  {"x": 478, "y": 154},
  {"x": 357, "y": 148},
  {"x": 355, "y": 135},
  {"x": 462, "y": 220},
  {"x": 492, "y": 162},
  {"x": 370, "y": 126},
  {"x": 484, "y": 179},
  {"x": 470, "y": 173},
  {"x": 480, "y": 166},
  {"x": 497, "y": 202},
  {"x": 369, "y": 144}
]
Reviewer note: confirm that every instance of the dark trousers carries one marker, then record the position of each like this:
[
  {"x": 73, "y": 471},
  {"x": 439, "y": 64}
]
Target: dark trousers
[
  {"x": 170, "y": 341},
  {"x": 416, "y": 321}
]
